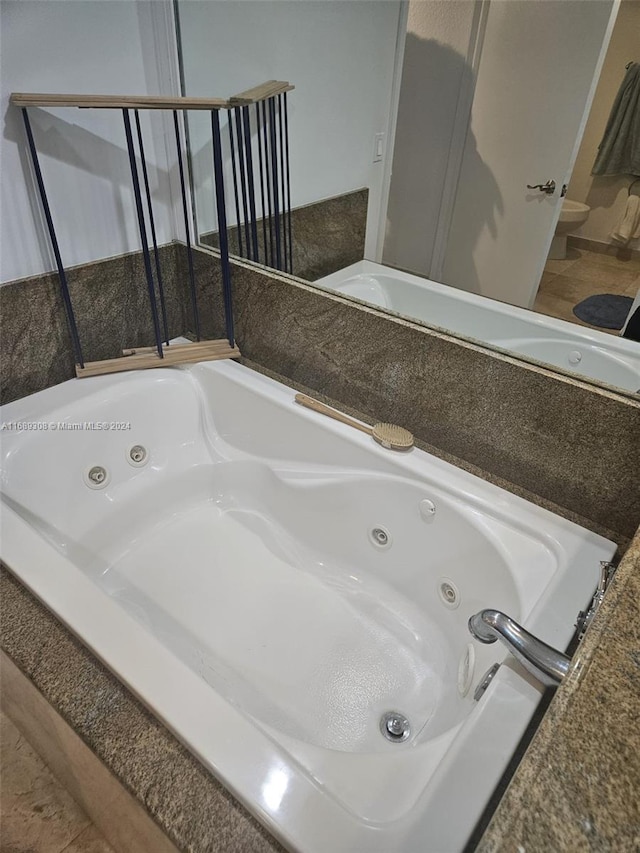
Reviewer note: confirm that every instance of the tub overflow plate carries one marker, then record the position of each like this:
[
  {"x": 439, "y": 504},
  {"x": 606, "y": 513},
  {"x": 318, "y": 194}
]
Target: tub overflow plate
[{"x": 427, "y": 509}]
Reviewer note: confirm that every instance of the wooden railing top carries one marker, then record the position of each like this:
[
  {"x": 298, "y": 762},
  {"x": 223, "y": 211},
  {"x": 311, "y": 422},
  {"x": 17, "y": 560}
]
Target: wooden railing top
[
  {"x": 151, "y": 102},
  {"x": 260, "y": 93},
  {"x": 107, "y": 102}
]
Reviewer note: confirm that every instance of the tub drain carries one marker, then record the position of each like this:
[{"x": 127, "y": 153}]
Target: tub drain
[{"x": 395, "y": 726}]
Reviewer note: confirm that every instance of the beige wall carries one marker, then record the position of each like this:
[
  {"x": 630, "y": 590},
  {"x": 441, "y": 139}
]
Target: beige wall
[{"x": 606, "y": 196}]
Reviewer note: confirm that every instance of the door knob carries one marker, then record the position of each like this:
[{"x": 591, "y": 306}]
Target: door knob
[{"x": 549, "y": 188}]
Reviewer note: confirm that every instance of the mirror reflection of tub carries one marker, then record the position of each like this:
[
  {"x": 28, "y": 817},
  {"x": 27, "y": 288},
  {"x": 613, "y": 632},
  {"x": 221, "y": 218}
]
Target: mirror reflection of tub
[
  {"x": 273, "y": 584},
  {"x": 580, "y": 350}
]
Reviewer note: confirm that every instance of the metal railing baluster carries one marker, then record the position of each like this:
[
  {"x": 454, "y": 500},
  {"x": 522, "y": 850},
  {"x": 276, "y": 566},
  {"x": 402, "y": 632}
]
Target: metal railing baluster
[
  {"x": 66, "y": 297},
  {"x": 250, "y": 182},
  {"x": 232, "y": 148},
  {"x": 185, "y": 212},
  {"x": 152, "y": 226},
  {"x": 286, "y": 139},
  {"x": 143, "y": 231},
  {"x": 274, "y": 180},
  {"x": 222, "y": 225}
]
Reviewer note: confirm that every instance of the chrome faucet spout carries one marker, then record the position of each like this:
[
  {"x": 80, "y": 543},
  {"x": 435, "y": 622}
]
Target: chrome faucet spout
[{"x": 544, "y": 662}]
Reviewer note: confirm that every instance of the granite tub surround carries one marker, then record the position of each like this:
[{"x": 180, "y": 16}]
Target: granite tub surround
[
  {"x": 328, "y": 235},
  {"x": 209, "y": 294},
  {"x": 578, "y": 785},
  {"x": 558, "y": 438},
  {"x": 111, "y": 305},
  {"x": 191, "y": 807},
  {"x": 194, "y": 811}
]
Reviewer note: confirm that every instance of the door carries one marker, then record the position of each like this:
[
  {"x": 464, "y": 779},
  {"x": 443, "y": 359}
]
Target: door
[{"x": 537, "y": 73}]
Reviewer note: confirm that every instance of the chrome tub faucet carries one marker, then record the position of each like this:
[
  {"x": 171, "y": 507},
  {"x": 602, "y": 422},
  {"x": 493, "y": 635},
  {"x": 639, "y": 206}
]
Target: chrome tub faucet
[{"x": 545, "y": 663}]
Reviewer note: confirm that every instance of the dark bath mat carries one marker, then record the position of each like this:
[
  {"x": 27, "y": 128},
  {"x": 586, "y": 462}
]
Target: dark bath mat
[{"x": 606, "y": 310}]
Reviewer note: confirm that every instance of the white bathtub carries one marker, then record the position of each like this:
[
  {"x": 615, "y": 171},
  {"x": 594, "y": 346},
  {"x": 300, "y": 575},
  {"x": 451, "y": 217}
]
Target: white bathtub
[
  {"x": 232, "y": 581},
  {"x": 588, "y": 352}
]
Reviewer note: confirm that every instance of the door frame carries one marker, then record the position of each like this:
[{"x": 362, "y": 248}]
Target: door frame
[
  {"x": 380, "y": 216},
  {"x": 459, "y": 138}
]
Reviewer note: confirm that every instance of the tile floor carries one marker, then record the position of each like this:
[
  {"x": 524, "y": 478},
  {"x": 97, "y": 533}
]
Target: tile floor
[
  {"x": 583, "y": 273},
  {"x": 37, "y": 815}
]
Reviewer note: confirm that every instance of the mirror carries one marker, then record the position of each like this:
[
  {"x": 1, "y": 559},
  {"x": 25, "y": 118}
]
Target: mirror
[{"x": 429, "y": 146}]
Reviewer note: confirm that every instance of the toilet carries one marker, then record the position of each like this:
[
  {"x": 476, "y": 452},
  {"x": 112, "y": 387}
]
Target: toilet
[{"x": 572, "y": 216}]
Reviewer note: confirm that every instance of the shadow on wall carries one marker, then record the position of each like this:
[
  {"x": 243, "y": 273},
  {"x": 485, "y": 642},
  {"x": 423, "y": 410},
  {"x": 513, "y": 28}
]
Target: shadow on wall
[
  {"x": 436, "y": 98},
  {"x": 487, "y": 204},
  {"x": 106, "y": 164}
]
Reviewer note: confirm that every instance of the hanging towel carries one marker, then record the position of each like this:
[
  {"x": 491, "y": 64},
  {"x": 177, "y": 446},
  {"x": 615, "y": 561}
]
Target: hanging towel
[
  {"x": 619, "y": 151},
  {"x": 629, "y": 226}
]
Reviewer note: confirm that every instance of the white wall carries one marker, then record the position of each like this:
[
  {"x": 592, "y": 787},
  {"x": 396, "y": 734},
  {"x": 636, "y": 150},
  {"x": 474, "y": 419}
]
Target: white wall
[
  {"x": 340, "y": 57},
  {"x": 435, "y": 75},
  {"x": 607, "y": 196},
  {"x": 77, "y": 46}
]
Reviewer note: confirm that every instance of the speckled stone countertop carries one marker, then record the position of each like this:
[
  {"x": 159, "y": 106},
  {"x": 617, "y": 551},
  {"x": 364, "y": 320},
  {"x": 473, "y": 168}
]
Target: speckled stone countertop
[{"x": 577, "y": 787}]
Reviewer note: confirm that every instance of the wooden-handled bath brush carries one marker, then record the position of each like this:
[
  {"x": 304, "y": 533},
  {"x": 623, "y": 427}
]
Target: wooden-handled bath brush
[{"x": 388, "y": 435}]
